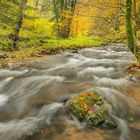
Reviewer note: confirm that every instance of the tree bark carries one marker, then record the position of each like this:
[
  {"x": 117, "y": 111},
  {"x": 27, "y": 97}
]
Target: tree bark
[
  {"x": 61, "y": 7},
  {"x": 117, "y": 22},
  {"x": 57, "y": 16},
  {"x": 129, "y": 27},
  {"x": 19, "y": 23}
]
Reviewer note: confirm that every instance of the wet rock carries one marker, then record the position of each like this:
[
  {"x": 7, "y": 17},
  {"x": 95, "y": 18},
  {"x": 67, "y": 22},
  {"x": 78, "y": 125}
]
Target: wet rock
[
  {"x": 134, "y": 71},
  {"x": 92, "y": 109}
]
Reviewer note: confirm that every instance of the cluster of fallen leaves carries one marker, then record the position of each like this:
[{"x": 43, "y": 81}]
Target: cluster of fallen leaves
[{"x": 85, "y": 103}]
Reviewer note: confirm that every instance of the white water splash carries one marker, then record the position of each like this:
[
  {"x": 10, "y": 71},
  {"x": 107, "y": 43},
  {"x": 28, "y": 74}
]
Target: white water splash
[
  {"x": 48, "y": 111},
  {"x": 9, "y": 73},
  {"x": 17, "y": 129},
  {"x": 32, "y": 84},
  {"x": 99, "y": 71},
  {"x": 123, "y": 128},
  {"x": 7, "y": 80},
  {"x": 109, "y": 82},
  {"x": 3, "y": 99}
]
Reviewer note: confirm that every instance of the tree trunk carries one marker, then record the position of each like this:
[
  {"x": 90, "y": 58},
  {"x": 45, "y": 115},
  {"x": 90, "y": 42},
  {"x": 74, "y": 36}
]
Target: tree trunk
[
  {"x": 57, "y": 17},
  {"x": 129, "y": 26},
  {"x": 117, "y": 22},
  {"x": 63, "y": 23},
  {"x": 139, "y": 17},
  {"x": 73, "y": 5},
  {"x": 137, "y": 47},
  {"x": 19, "y": 23}
]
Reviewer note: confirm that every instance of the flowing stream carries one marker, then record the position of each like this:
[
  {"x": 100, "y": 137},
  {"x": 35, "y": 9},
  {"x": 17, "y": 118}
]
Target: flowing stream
[{"x": 33, "y": 96}]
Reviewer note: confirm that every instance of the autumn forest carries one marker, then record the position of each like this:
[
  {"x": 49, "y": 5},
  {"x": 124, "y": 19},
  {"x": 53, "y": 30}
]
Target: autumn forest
[
  {"x": 69, "y": 69},
  {"x": 52, "y": 23}
]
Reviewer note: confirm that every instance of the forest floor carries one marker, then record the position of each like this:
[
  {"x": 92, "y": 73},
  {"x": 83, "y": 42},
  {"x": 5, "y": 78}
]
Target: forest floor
[{"x": 48, "y": 47}]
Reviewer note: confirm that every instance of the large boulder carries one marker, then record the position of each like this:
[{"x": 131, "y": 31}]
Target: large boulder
[{"x": 92, "y": 109}]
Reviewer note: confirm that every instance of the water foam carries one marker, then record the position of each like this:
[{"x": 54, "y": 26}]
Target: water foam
[
  {"x": 3, "y": 99},
  {"x": 18, "y": 129}
]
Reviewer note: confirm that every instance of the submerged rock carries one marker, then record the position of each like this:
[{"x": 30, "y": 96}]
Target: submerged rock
[{"x": 92, "y": 109}]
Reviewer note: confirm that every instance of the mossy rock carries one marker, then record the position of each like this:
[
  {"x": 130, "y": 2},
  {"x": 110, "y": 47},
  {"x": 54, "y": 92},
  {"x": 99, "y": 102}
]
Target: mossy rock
[{"x": 92, "y": 109}]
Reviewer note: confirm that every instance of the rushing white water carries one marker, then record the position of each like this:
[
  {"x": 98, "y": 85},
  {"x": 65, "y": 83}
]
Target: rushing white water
[
  {"x": 123, "y": 128},
  {"x": 98, "y": 71},
  {"x": 9, "y": 73},
  {"x": 17, "y": 129},
  {"x": 106, "y": 82},
  {"x": 2, "y": 83},
  {"x": 3, "y": 99},
  {"x": 32, "y": 84},
  {"x": 33, "y": 98}
]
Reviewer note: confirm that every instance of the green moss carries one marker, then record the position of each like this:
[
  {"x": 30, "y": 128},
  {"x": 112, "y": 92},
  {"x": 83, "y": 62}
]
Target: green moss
[
  {"x": 92, "y": 108},
  {"x": 98, "y": 117},
  {"x": 5, "y": 46},
  {"x": 73, "y": 42}
]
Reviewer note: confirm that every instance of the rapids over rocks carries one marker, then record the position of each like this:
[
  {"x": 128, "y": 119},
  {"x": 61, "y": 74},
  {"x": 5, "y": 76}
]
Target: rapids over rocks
[{"x": 33, "y": 96}]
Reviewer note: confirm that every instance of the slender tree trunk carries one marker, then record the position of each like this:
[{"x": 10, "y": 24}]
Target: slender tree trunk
[
  {"x": 63, "y": 23},
  {"x": 67, "y": 28},
  {"x": 19, "y": 23},
  {"x": 137, "y": 47},
  {"x": 117, "y": 22},
  {"x": 139, "y": 16},
  {"x": 57, "y": 16},
  {"x": 129, "y": 26},
  {"x": 135, "y": 25},
  {"x": 73, "y": 5}
]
